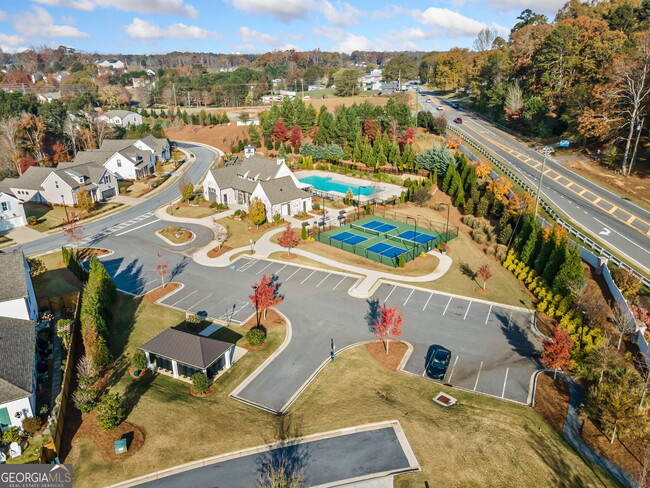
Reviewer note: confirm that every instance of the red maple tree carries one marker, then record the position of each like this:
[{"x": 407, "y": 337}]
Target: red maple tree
[
  {"x": 266, "y": 295},
  {"x": 370, "y": 129},
  {"x": 288, "y": 238},
  {"x": 408, "y": 137},
  {"x": 557, "y": 350},
  {"x": 60, "y": 153},
  {"x": 485, "y": 272},
  {"x": 74, "y": 233},
  {"x": 296, "y": 136},
  {"x": 162, "y": 268},
  {"x": 388, "y": 326},
  {"x": 280, "y": 132}
]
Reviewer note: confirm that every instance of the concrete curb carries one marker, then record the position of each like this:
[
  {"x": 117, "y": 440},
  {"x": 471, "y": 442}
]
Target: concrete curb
[
  {"x": 167, "y": 241},
  {"x": 157, "y": 302}
]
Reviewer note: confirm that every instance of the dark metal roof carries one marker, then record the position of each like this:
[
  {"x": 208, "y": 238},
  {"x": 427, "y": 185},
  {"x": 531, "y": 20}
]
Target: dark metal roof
[
  {"x": 186, "y": 347},
  {"x": 17, "y": 347},
  {"x": 13, "y": 279}
]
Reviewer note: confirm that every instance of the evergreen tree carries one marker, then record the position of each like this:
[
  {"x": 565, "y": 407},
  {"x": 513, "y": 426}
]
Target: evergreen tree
[
  {"x": 571, "y": 274},
  {"x": 482, "y": 207},
  {"x": 449, "y": 176},
  {"x": 531, "y": 246},
  {"x": 555, "y": 261},
  {"x": 459, "y": 201},
  {"x": 469, "y": 206},
  {"x": 544, "y": 254},
  {"x": 504, "y": 234}
]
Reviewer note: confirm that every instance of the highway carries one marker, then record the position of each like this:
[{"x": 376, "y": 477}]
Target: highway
[{"x": 616, "y": 222}]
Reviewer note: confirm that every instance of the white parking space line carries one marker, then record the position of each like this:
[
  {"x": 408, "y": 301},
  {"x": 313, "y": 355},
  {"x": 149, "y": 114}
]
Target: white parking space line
[
  {"x": 447, "y": 306},
  {"x": 149, "y": 282},
  {"x": 337, "y": 285},
  {"x": 488, "y": 314},
  {"x": 466, "y": 311},
  {"x": 298, "y": 269},
  {"x": 503, "y": 392},
  {"x": 407, "y": 298},
  {"x": 321, "y": 281},
  {"x": 391, "y": 292},
  {"x": 202, "y": 299},
  {"x": 186, "y": 296},
  {"x": 276, "y": 273},
  {"x": 307, "y": 277},
  {"x": 264, "y": 268},
  {"x": 136, "y": 228},
  {"x": 245, "y": 266},
  {"x": 453, "y": 368},
  {"x": 425, "y": 305},
  {"x": 478, "y": 375}
]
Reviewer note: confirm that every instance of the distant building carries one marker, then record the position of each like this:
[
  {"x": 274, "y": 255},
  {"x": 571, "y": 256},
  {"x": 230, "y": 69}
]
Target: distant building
[
  {"x": 48, "y": 97},
  {"x": 121, "y": 117},
  {"x": 111, "y": 63}
]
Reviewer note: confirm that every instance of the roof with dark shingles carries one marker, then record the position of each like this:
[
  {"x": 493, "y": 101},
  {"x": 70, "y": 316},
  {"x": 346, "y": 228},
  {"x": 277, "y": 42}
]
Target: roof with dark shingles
[
  {"x": 13, "y": 278},
  {"x": 31, "y": 179},
  {"x": 186, "y": 347},
  {"x": 18, "y": 345},
  {"x": 236, "y": 175}
]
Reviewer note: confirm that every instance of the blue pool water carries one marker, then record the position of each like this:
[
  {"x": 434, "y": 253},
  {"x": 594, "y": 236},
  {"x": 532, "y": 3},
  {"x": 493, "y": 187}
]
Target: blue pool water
[{"x": 327, "y": 184}]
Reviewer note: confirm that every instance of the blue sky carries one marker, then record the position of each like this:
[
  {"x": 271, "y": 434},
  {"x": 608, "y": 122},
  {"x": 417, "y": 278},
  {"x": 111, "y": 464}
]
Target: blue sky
[{"x": 254, "y": 26}]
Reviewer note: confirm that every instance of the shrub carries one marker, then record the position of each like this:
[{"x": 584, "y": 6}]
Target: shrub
[
  {"x": 192, "y": 321},
  {"x": 304, "y": 233},
  {"x": 237, "y": 213},
  {"x": 255, "y": 337},
  {"x": 84, "y": 400},
  {"x": 12, "y": 434},
  {"x": 479, "y": 236},
  {"x": 490, "y": 251},
  {"x": 401, "y": 263},
  {"x": 32, "y": 220},
  {"x": 139, "y": 361},
  {"x": 316, "y": 206},
  {"x": 31, "y": 425},
  {"x": 468, "y": 220},
  {"x": 110, "y": 412},
  {"x": 200, "y": 382},
  {"x": 542, "y": 306},
  {"x": 277, "y": 218}
]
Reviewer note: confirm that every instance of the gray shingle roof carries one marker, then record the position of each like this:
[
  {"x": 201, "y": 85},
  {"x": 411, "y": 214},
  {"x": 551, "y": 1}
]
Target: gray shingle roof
[
  {"x": 236, "y": 175},
  {"x": 114, "y": 145},
  {"x": 186, "y": 347},
  {"x": 92, "y": 170},
  {"x": 282, "y": 190},
  {"x": 18, "y": 346},
  {"x": 30, "y": 179},
  {"x": 154, "y": 143},
  {"x": 117, "y": 113},
  {"x": 93, "y": 156},
  {"x": 12, "y": 276}
]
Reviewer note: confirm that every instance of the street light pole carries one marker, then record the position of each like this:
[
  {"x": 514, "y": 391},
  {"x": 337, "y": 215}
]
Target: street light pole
[
  {"x": 359, "y": 199},
  {"x": 257, "y": 311},
  {"x": 415, "y": 225},
  {"x": 545, "y": 151},
  {"x": 447, "y": 224}
]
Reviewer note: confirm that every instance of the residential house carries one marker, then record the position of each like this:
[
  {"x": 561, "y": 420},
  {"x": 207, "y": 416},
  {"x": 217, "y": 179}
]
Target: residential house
[
  {"x": 27, "y": 187},
  {"x": 18, "y": 311},
  {"x": 181, "y": 354},
  {"x": 270, "y": 180},
  {"x": 48, "y": 97},
  {"x": 12, "y": 213},
  {"x": 160, "y": 148},
  {"x": 121, "y": 117},
  {"x": 111, "y": 63}
]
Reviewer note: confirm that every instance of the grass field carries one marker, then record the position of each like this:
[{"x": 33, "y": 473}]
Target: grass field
[
  {"x": 57, "y": 279},
  {"x": 51, "y": 217},
  {"x": 176, "y": 235},
  {"x": 191, "y": 212}
]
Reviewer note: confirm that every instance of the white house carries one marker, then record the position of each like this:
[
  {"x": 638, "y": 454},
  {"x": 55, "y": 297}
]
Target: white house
[
  {"x": 158, "y": 147},
  {"x": 27, "y": 187},
  {"x": 18, "y": 310},
  {"x": 111, "y": 63},
  {"x": 48, "y": 97},
  {"x": 131, "y": 163},
  {"x": 12, "y": 213},
  {"x": 121, "y": 117},
  {"x": 270, "y": 180}
]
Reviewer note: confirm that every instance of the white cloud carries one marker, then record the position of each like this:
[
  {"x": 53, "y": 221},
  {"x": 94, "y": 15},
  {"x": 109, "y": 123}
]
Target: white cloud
[
  {"x": 171, "y": 7},
  {"x": 453, "y": 22},
  {"x": 329, "y": 33},
  {"x": 143, "y": 29},
  {"x": 544, "y": 7},
  {"x": 41, "y": 23},
  {"x": 405, "y": 39},
  {"x": 355, "y": 43},
  {"x": 250, "y": 36},
  {"x": 342, "y": 14},
  {"x": 285, "y": 10}
]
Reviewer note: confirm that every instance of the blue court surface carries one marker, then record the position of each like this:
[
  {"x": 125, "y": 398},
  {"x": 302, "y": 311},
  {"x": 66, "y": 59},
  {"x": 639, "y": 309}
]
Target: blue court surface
[
  {"x": 378, "y": 226},
  {"x": 349, "y": 238},
  {"x": 418, "y": 237},
  {"x": 386, "y": 250}
]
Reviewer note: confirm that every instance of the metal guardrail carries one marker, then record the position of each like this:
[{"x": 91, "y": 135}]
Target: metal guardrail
[{"x": 550, "y": 210}]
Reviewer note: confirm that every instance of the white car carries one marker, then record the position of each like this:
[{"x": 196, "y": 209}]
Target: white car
[
  {"x": 428, "y": 100},
  {"x": 440, "y": 107}
]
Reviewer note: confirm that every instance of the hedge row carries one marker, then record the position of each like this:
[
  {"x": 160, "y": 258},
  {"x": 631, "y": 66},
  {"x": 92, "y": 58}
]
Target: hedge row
[{"x": 73, "y": 265}]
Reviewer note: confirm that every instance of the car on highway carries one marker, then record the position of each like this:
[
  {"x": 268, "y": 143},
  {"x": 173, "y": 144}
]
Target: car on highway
[
  {"x": 458, "y": 120},
  {"x": 438, "y": 363},
  {"x": 454, "y": 105},
  {"x": 440, "y": 107},
  {"x": 428, "y": 100}
]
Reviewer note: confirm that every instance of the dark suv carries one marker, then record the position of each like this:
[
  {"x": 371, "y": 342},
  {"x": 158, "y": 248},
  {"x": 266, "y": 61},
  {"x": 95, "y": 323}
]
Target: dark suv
[{"x": 438, "y": 363}]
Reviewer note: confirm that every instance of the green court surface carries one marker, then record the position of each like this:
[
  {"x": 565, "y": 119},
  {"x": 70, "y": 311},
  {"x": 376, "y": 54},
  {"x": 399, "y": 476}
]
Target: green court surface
[{"x": 383, "y": 240}]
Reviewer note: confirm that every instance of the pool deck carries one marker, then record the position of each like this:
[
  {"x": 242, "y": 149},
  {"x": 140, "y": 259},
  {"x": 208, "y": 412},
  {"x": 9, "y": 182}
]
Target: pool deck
[{"x": 384, "y": 191}]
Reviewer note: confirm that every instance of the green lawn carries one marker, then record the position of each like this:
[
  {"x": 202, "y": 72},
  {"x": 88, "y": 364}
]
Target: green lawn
[
  {"x": 57, "y": 279},
  {"x": 169, "y": 233},
  {"x": 191, "y": 212},
  {"x": 52, "y": 217},
  {"x": 30, "y": 452}
]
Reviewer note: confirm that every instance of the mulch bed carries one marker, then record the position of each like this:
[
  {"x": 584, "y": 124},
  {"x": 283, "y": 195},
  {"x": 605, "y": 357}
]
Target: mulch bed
[
  {"x": 392, "y": 360},
  {"x": 143, "y": 373},
  {"x": 216, "y": 252},
  {"x": 156, "y": 294},
  {"x": 273, "y": 319},
  {"x": 91, "y": 252},
  {"x": 105, "y": 441},
  {"x": 552, "y": 400},
  {"x": 289, "y": 256},
  {"x": 482, "y": 291},
  {"x": 248, "y": 347},
  {"x": 195, "y": 393}
]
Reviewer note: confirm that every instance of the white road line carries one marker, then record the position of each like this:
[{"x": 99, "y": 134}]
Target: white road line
[
  {"x": 488, "y": 314},
  {"x": 248, "y": 264},
  {"x": 453, "y": 368},
  {"x": 447, "y": 306},
  {"x": 321, "y": 281},
  {"x": 307, "y": 277},
  {"x": 391, "y": 292},
  {"x": 478, "y": 375},
  {"x": 503, "y": 392},
  {"x": 618, "y": 233},
  {"x": 186, "y": 296},
  {"x": 192, "y": 307},
  {"x": 293, "y": 274},
  {"x": 337, "y": 285},
  {"x": 276, "y": 273},
  {"x": 136, "y": 228},
  {"x": 425, "y": 305},
  {"x": 466, "y": 311},
  {"x": 264, "y": 267},
  {"x": 149, "y": 282},
  {"x": 407, "y": 298}
]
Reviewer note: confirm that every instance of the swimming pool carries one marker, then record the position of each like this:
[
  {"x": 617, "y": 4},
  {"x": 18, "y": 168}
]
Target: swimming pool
[{"x": 327, "y": 184}]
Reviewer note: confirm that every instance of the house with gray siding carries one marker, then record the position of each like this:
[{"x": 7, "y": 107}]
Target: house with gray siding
[{"x": 12, "y": 213}]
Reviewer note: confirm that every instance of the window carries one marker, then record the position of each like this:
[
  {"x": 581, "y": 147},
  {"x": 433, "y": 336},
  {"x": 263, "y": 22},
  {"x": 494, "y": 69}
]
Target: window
[
  {"x": 5, "y": 419},
  {"x": 56, "y": 184},
  {"x": 119, "y": 163},
  {"x": 5, "y": 206}
]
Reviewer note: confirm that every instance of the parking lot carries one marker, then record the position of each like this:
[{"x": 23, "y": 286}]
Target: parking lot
[{"x": 493, "y": 347}]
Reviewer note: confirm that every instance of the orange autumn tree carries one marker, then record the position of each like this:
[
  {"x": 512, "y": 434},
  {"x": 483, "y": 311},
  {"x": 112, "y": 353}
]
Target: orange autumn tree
[
  {"x": 453, "y": 142},
  {"x": 482, "y": 169},
  {"x": 500, "y": 187},
  {"x": 288, "y": 239},
  {"x": 388, "y": 326}
]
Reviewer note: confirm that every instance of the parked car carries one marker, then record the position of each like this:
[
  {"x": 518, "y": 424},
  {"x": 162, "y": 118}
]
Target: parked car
[
  {"x": 458, "y": 120},
  {"x": 454, "y": 105},
  {"x": 438, "y": 363},
  {"x": 440, "y": 107},
  {"x": 428, "y": 100}
]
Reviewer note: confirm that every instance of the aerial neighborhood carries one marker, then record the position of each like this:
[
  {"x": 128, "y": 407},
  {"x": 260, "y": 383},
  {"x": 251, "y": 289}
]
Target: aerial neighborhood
[{"x": 370, "y": 247}]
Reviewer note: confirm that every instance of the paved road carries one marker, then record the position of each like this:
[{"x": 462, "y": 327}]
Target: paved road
[
  {"x": 617, "y": 222},
  {"x": 330, "y": 460}
]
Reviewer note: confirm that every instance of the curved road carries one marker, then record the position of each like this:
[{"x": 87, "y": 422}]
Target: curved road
[{"x": 617, "y": 222}]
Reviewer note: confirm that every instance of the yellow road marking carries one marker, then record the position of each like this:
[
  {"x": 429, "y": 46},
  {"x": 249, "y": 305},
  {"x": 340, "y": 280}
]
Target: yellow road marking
[
  {"x": 613, "y": 209},
  {"x": 598, "y": 199},
  {"x": 582, "y": 191},
  {"x": 631, "y": 219}
]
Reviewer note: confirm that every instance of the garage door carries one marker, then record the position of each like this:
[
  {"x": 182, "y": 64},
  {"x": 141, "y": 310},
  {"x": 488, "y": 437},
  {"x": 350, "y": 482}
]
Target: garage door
[{"x": 106, "y": 194}]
